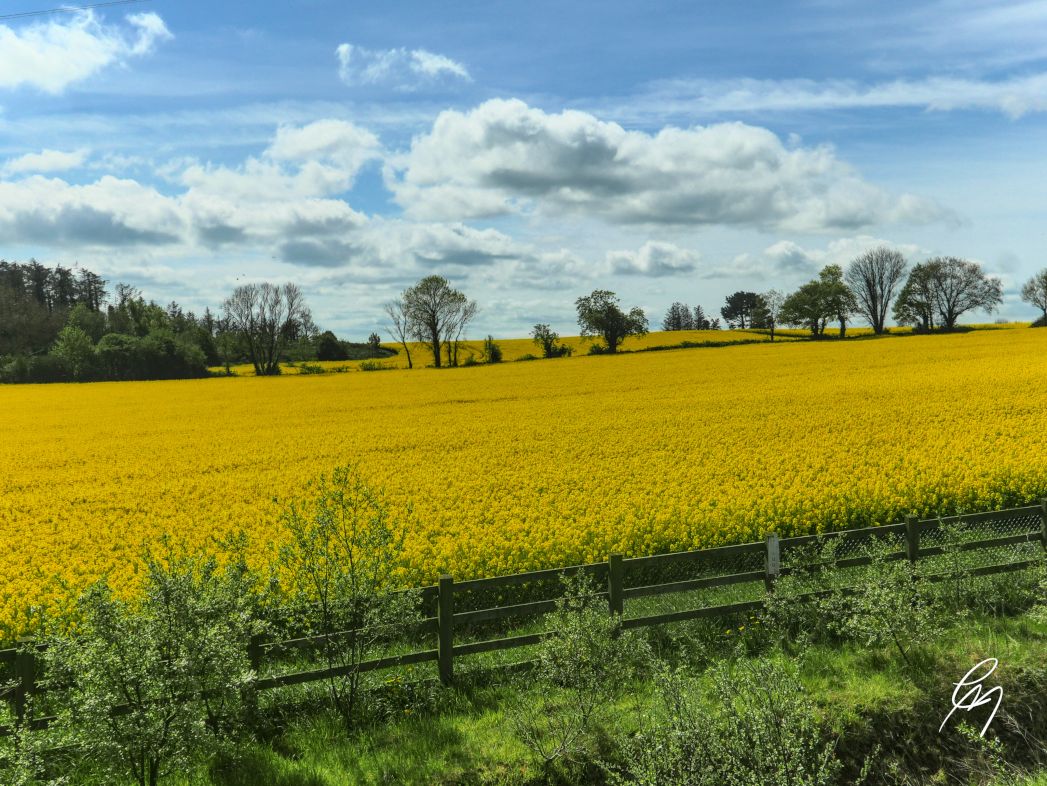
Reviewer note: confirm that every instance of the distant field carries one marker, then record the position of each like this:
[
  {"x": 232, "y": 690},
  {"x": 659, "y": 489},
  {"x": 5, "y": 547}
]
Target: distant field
[
  {"x": 516, "y": 348},
  {"x": 525, "y": 465}
]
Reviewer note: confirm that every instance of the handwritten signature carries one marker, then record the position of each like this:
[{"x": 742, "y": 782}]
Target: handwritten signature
[{"x": 974, "y": 697}]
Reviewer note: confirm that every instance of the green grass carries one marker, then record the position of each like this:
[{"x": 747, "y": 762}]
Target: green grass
[{"x": 468, "y": 737}]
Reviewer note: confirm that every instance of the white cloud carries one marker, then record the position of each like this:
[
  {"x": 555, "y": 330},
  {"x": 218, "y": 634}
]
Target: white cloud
[
  {"x": 1014, "y": 96},
  {"x": 52, "y": 55},
  {"x": 334, "y": 141},
  {"x": 654, "y": 259},
  {"x": 392, "y": 243},
  {"x": 278, "y": 205},
  {"x": 111, "y": 212},
  {"x": 786, "y": 260},
  {"x": 505, "y": 157},
  {"x": 403, "y": 69},
  {"x": 316, "y": 160},
  {"x": 45, "y": 161}
]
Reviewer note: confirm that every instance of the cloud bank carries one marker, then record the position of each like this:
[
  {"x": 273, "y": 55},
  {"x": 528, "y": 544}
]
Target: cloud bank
[{"x": 506, "y": 157}]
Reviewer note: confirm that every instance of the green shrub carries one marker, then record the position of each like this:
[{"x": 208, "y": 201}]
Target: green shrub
[
  {"x": 340, "y": 569},
  {"x": 373, "y": 365},
  {"x": 891, "y": 607},
  {"x": 527, "y": 356},
  {"x": 150, "y": 687},
  {"x": 310, "y": 368},
  {"x": 582, "y": 664},
  {"x": 492, "y": 352},
  {"x": 758, "y": 727}
]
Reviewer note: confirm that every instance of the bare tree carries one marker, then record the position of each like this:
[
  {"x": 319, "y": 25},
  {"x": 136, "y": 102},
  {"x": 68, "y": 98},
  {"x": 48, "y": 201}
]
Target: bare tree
[
  {"x": 873, "y": 278},
  {"x": 437, "y": 313},
  {"x": 399, "y": 325},
  {"x": 1034, "y": 292},
  {"x": 267, "y": 317},
  {"x": 466, "y": 312},
  {"x": 959, "y": 286}
]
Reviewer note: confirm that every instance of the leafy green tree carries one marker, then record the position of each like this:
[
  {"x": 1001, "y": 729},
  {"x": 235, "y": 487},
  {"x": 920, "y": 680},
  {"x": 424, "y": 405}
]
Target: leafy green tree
[
  {"x": 91, "y": 322},
  {"x": 76, "y": 351},
  {"x": 328, "y": 347},
  {"x": 119, "y": 356},
  {"x": 150, "y": 687},
  {"x": 915, "y": 303},
  {"x": 436, "y": 313},
  {"x": 701, "y": 321},
  {"x": 952, "y": 287},
  {"x": 374, "y": 341},
  {"x": 738, "y": 309},
  {"x": 492, "y": 352},
  {"x": 837, "y": 296},
  {"x": 600, "y": 315},
  {"x": 678, "y": 317},
  {"x": 547, "y": 338},
  {"x": 807, "y": 307}
]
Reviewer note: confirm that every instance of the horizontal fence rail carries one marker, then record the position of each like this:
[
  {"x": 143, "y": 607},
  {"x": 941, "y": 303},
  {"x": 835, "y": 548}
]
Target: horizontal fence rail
[{"x": 747, "y": 565}]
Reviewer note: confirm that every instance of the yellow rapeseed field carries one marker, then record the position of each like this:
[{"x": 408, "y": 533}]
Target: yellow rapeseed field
[{"x": 526, "y": 465}]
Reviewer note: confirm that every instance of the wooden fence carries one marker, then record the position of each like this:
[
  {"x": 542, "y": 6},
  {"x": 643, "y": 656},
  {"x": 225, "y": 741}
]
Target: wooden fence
[{"x": 753, "y": 567}]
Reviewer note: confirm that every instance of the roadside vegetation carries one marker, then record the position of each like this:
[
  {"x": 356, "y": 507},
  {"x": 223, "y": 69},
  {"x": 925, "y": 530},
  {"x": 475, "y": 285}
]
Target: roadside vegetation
[{"x": 831, "y": 682}]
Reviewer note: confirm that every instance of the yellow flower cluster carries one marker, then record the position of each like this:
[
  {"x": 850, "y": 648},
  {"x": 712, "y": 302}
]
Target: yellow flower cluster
[{"x": 527, "y": 465}]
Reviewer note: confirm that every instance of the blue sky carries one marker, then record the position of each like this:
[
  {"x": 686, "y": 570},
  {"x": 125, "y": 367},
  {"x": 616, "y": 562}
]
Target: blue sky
[{"x": 530, "y": 152}]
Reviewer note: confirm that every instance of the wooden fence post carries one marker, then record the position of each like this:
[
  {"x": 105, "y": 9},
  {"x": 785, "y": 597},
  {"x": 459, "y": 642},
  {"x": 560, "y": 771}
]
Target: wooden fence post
[
  {"x": 1043, "y": 523},
  {"x": 25, "y": 677},
  {"x": 254, "y": 658},
  {"x": 773, "y": 565},
  {"x": 912, "y": 539},
  {"x": 445, "y": 621},
  {"x": 616, "y": 584}
]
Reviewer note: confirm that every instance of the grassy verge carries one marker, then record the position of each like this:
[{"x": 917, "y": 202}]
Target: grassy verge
[{"x": 871, "y": 701}]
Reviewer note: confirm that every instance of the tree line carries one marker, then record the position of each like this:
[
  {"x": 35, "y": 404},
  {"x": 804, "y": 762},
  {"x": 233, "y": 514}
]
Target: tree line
[
  {"x": 931, "y": 295},
  {"x": 62, "y": 324}
]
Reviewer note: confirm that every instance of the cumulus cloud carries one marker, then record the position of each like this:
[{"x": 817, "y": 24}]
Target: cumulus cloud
[
  {"x": 52, "y": 55},
  {"x": 505, "y": 157},
  {"x": 334, "y": 141},
  {"x": 654, "y": 259},
  {"x": 45, "y": 161},
  {"x": 1013, "y": 96},
  {"x": 402, "y": 69},
  {"x": 279, "y": 204},
  {"x": 315, "y": 160},
  {"x": 111, "y": 212},
  {"x": 280, "y": 200}
]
